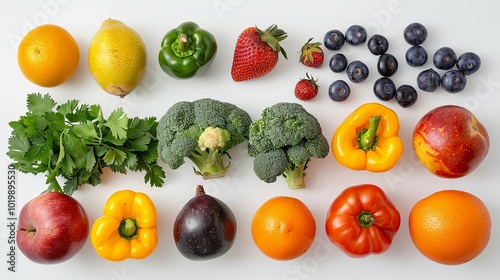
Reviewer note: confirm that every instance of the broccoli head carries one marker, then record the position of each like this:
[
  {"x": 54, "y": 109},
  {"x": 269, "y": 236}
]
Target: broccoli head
[
  {"x": 202, "y": 130},
  {"x": 283, "y": 141}
]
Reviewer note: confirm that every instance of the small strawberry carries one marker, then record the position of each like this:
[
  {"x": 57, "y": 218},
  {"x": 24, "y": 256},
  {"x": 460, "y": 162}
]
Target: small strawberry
[
  {"x": 311, "y": 54},
  {"x": 256, "y": 52},
  {"x": 306, "y": 88}
]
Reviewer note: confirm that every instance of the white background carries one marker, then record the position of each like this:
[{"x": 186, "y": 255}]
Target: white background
[{"x": 464, "y": 27}]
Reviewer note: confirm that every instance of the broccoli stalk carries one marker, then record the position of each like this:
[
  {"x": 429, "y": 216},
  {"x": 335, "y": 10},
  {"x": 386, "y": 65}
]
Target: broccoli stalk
[
  {"x": 210, "y": 163},
  {"x": 208, "y": 155},
  {"x": 294, "y": 175}
]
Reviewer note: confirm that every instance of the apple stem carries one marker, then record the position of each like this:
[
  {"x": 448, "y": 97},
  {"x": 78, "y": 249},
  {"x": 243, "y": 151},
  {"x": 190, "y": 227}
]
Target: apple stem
[
  {"x": 30, "y": 231},
  {"x": 128, "y": 229}
]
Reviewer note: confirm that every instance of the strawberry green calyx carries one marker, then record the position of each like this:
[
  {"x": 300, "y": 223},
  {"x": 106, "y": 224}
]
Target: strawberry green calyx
[
  {"x": 312, "y": 81},
  {"x": 309, "y": 48},
  {"x": 272, "y": 36}
]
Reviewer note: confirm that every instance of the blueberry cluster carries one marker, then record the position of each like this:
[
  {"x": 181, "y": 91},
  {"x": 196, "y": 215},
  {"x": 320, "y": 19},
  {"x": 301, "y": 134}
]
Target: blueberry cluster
[
  {"x": 445, "y": 58},
  {"x": 453, "y": 80},
  {"x": 357, "y": 71},
  {"x": 384, "y": 88}
]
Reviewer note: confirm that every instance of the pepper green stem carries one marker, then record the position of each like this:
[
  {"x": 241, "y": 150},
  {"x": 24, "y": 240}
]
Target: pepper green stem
[
  {"x": 367, "y": 138},
  {"x": 365, "y": 219},
  {"x": 128, "y": 228},
  {"x": 183, "y": 47}
]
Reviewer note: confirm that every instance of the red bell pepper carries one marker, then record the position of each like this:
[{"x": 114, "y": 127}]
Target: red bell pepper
[{"x": 362, "y": 221}]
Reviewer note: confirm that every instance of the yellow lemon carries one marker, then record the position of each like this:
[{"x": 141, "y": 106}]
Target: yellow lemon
[{"x": 117, "y": 57}]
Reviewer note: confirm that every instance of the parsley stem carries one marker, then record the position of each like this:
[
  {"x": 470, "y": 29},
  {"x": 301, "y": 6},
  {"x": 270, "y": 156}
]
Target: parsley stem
[{"x": 51, "y": 178}]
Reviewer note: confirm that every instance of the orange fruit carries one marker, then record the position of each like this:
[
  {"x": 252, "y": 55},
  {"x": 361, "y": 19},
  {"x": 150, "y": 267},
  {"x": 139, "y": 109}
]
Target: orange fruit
[
  {"x": 283, "y": 228},
  {"x": 450, "y": 226},
  {"x": 48, "y": 55}
]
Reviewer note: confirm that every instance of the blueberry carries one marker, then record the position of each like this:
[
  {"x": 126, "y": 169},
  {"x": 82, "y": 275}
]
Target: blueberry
[
  {"x": 387, "y": 65},
  {"x": 416, "y": 56},
  {"x": 334, "y": 40},
  {"x": 339, "y": 90},
  {"x": 444, "y": 58},
  {"x": 406, "y": 96},
  {"x": 378, "y": 44},
  {"x": 355, "y": 35},
  {"x": 338, "y": 63},
  {"x": 384, "y": 89},
  {"x": 468, "y": 63},
  {"x": 453, "y": 81},
  {"x": 415, "y": 33},
  {"x": 428, "y": 80},
  {"x": 357, "y": 71}
]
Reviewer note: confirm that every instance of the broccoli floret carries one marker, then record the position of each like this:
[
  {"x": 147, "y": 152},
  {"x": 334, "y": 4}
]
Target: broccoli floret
[
  {"x": 283, "y": 141},
  {"x": 203, "y": 131},
  {"x": 297, "y": 155},
  {"x": 269, "y": 165}
]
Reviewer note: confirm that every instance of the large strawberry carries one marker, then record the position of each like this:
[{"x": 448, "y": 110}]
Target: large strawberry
[{"x": 256, "y": 52}]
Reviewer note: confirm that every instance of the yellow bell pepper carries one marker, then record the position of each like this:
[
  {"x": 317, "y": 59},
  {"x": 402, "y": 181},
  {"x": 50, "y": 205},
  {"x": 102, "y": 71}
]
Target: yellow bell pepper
[
  {"x": 127, "y": 228},
  {"x": 368, "y": 139}
]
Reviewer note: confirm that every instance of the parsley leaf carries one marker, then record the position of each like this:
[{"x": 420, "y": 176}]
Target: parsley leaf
[
  {"x": 71, "y": 185},
  {"x": 38, "y": 152},
  {"x": 95, "y": 113},
  {"x": 85, "y": 130},
  {"x": 114, "y": 156},
  {"x": 39, "y": 104},
  {"x": 18, "y": 146},
  {"x": 154, "y": 175},
  {"x": 72, "y": 112},
  {"x": 68, "y": 107},
  {"x": 75, "y": 142},
  {"x": 68, "y": 165},
  {"x": 117, "y": 123},
  {"x": 90, "y": 160}
]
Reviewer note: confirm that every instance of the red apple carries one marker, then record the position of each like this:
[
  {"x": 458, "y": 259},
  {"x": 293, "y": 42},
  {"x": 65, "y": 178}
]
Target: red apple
[
  {"x": 450, "y": 141},
  {"x": 52, "y": 228}
]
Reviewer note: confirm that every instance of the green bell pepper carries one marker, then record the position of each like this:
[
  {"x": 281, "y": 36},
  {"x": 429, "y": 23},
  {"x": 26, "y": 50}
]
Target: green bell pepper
[{"x": 187, "y": 51}]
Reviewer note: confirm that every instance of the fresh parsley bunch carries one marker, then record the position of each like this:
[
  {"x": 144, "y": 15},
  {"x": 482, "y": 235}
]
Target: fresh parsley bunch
[{"x": 76, "y": 142}]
